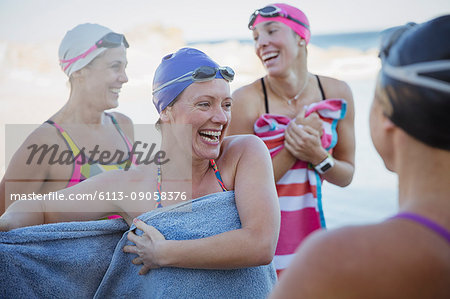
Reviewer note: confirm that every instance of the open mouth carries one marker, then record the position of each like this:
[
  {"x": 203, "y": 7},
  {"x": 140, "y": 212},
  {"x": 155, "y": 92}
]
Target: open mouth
[
  {"x": 115, "y": 90},
  {"x": 210, "y": 136},
  {"x": 269, "y": 56}
]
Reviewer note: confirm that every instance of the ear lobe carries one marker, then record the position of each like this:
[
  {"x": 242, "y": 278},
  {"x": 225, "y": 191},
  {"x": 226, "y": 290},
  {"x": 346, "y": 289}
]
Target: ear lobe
[
  {"x": 302, "y": 43},
  {"x": 388, "y": 124},
  {"x": 165, "y": 115}
]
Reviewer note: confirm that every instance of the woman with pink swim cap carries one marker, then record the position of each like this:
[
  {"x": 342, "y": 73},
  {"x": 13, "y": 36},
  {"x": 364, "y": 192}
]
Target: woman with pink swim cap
[{"x": 299, "y": 116}]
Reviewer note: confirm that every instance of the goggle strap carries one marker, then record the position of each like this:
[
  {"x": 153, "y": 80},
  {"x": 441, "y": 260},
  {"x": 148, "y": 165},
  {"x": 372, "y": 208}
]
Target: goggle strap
[
  {"x": 72, "y": 60},
  {"x": 410, "y": 74}
]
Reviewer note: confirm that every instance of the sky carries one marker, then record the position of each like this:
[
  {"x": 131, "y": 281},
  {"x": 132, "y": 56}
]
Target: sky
[{"x": 42, "y": 20}]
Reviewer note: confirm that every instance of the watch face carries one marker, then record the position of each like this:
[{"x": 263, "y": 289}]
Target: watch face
[{"x": 325, "y": 167}]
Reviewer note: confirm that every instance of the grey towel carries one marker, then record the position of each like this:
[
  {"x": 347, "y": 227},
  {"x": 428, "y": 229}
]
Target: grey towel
[{"x": 76, "y": 266}]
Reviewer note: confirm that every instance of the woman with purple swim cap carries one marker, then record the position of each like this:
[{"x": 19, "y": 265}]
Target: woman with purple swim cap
[
  {"x": 289, "y": 109},
  {"x": 192, "y": 95},
  {"x": 94, "y": 59},
  {"x": 408, "y": 255}
]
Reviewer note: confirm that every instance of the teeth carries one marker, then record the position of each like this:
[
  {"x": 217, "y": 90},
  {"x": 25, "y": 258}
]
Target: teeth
[
  {"x": 269, "y": 55},
  {"x": 215, "y": 139},
  {"x": 115, "y": 90},
  {"x": 212, "y": 133}
]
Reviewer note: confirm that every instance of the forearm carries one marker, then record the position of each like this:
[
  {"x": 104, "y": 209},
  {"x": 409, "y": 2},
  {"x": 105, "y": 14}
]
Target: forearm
[
  {"x": 17, "y": 215},
  {"x": 281, "y": 163},
  {"x": 230, "y": 250},
  {"x": 341, "y": 174}
]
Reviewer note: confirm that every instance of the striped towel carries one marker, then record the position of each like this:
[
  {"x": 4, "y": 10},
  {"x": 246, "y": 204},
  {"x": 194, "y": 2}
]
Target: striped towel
[{"x": 299, "y": 190}]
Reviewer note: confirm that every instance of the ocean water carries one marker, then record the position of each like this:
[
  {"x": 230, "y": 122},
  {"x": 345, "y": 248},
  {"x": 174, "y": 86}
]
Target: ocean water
[{"x": 357, "y": 40}]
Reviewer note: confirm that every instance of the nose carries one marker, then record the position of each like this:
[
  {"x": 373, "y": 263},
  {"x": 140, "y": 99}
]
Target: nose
[
  {"x": 220, "y": 116},
  {"x": 123, "y": 78},
  {"x": 262, "y": 41}
]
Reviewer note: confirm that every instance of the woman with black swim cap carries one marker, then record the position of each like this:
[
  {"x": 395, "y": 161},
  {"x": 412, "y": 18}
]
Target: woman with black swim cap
[{"x": 408, "y": 255}]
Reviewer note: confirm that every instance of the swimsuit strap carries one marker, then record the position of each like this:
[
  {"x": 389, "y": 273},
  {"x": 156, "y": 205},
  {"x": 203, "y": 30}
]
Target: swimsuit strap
[
  {"x": 217, "y": 173},
  {"x": 322, "y": 92},
  {"x": 425, "y": 222},
  {"x": 266, "y": 100},
  {"x": 212, "y": 163},
  {"x": 132, "y": 158},
  {"x": 73, "y": 147}
]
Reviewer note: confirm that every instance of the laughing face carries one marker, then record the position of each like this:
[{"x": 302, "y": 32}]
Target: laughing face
[
  {"x": 206, "y": 106},
  {"x": 103, "y": 78},
  {"x": 276, "y": 45}
]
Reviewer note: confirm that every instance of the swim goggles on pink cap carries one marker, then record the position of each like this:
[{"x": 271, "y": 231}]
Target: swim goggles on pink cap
[
  {"x": 110, "y": 40},
  {"x": 271, "y": 11}
]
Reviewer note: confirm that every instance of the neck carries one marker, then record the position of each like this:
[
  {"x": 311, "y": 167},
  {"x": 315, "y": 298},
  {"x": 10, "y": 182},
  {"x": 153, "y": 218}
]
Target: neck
[
  {"x": 289, "y": 87},
  {"x": 78, "y": 110},
  {"x": 423, "y": 179}
]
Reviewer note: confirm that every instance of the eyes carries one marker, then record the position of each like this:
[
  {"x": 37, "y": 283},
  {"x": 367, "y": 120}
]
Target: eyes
[
  {"x": 118, "y": 66},
  {"x": 269, "y": 30},
  {"x": 205, "y": 105}
]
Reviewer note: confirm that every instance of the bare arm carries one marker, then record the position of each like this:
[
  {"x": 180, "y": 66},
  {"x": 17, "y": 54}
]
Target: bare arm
[
  {"x": 93, "y": 206},
  {"x": 25, "y": 174},
  {"x": 252, "y": 245}
]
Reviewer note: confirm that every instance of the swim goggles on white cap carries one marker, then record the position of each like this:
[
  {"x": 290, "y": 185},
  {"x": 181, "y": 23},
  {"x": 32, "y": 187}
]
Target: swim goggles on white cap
[
  {"x": 110, "y": 40},
  {"x": 201, "y": 74}
]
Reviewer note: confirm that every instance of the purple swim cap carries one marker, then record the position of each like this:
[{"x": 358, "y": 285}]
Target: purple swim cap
[
  {"x": 294, "y": 13},
  {"x": 173, "y": 66}
]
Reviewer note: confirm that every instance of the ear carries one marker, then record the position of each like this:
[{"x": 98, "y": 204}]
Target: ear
[
  {"x": 300, "y": 41},
  {"x": 165, "y": 114},
  {"x": 388, "y": 125}
]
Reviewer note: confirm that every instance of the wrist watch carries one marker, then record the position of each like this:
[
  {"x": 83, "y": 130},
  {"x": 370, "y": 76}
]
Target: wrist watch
[{"x": 325, "y": 165}]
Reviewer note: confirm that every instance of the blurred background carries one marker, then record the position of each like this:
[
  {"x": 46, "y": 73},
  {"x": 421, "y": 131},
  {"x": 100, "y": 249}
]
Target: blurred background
[{"x": 345, "y": 36}]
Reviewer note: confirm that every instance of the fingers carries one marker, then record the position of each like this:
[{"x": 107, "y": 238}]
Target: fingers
[
  {"x": 149, "y": 230},
  {"x": 130, "y": 249},
  {"x": 132, "y": 237},
  {"x": 312, "y": 131},
  {"x": 300, "y": 116},
  {"x": 144, "y": 270},
  {"x": 137, "y": 261}
]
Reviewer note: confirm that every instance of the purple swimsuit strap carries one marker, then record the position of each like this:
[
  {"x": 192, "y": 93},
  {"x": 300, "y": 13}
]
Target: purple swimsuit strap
[{"x": 425, "y": 222}]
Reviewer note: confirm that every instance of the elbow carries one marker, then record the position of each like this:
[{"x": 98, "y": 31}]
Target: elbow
[
  {"x": 265, "y": 252},
  {"x": 4, "y": 225}
]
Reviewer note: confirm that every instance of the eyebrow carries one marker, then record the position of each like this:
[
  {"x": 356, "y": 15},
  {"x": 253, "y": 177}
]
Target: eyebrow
[{"x": 269, "y": 23}]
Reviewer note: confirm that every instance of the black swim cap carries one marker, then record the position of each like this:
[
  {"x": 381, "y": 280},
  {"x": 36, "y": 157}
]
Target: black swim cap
[{"x": 415, "y": 76}]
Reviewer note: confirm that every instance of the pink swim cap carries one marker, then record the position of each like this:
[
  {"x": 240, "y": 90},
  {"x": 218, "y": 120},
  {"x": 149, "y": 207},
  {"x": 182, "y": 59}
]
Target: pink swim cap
[{"x": 293, "y": 13}]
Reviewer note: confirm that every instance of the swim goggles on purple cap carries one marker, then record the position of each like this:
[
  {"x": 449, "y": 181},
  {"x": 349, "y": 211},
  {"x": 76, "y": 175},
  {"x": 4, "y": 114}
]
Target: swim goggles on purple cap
[
  {"x": 110, "y": 40},
  {"x": 201, "y": 74},
  {"x": 271, "y": 11}
]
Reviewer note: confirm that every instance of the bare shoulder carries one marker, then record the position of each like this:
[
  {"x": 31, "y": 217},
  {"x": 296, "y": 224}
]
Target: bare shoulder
[
  {"x": 246, "y": 143},
  {"x": 126, "y": 124},
  {"x": 247, "y": 92},
  {"x": 122, "y": 118},
  {"x": 43, "y": 135},
  {"x": 248, "y": 105},
  {"x": 376, "y": 261},
  {"x": 335, "y": 88}
]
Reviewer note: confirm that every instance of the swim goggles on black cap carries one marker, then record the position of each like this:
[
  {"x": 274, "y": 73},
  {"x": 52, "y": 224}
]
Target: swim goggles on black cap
[
  {"x": 110, "y": 40},
  {"x": 272, "y": 11},
  {"x": 201, "y": 74},
  {"x": 414, "y": 73}
]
